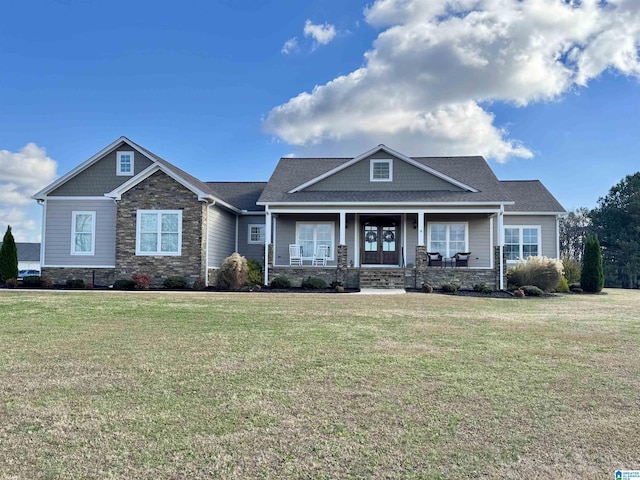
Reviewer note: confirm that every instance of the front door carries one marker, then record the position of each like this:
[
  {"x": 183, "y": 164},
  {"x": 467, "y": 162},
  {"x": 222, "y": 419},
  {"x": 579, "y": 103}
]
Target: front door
[{"x": 380, "y": 242}]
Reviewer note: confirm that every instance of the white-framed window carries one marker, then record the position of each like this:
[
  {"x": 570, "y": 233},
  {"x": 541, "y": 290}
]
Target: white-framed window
[
  {"x": 83, "y": 233},
  {"x": 521, "y": 241},
  {"x": 311, "y": 235},
  {"x": 448, "y": 238},
  {"x": 159, "y": 232},
  {"x": 381, "y": 170},
  {"x": 255, "y": 233},
  {"x": 124, "y": 164}
]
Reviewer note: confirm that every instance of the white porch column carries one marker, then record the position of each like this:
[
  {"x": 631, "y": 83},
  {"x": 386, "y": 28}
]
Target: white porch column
[
  {"x": 343, "y": 228},
  {"x": 420, "y": 229},
  {"x": 267, "y": 241},
  {"x": 356, "y": 240},
  {"x": 501, "y": 244}
]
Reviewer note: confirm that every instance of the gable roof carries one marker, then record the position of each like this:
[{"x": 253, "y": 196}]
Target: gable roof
[
  {"x": 385, "y": 149},
  {"x": 530, "y": 196}
]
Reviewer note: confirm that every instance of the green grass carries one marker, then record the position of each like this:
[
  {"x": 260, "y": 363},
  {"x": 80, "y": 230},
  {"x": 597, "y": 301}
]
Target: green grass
[{"x": 195, "y": 385}]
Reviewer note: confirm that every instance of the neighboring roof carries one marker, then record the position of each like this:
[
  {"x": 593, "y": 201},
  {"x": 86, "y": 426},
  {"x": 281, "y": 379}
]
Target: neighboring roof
[
  {"x": 27, "y": 252},
  {"x": 473, "y": 171},
  {"x": 242, "y": 195},
  {"x": 530, "y": 196}
]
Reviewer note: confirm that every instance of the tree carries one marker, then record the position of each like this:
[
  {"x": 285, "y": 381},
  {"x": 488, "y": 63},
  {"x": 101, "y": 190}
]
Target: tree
[
  {"x": 616, "y": 221},
  {"x": 8, "y": 257},
  {"x": 574, "y": 229},
  {"x": 592, "y": 277}
]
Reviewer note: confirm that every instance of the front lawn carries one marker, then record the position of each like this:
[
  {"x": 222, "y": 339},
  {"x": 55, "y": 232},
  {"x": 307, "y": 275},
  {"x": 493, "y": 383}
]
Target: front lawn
[{"x": 201, "y": 385}]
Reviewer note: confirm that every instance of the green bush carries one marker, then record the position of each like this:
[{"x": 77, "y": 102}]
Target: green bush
[
  {"x": 572, "y": 269},
  {"x": 32, "y": 282},
  {"x": 563, "y": 286},
  {"x": 233, "y": 273},
  {"x": 314, "y": 283},
  {"x": 175, "y": 283},
  {"x": 542, "y": 272},
  {"x": 280, "y": 282},
  {"x": 254, "y": 275},
  {"x": 450, "y": 287},
  {"x": 592, "y": 277},
  {"x": 75, "y": 283},
  {"x": 531, "y": 291},
  {"x": 124, "y": 284},
  {"x": 482, "y": 288}
]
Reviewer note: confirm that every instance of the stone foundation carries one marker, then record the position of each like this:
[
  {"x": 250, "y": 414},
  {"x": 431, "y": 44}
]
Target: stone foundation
[{"x": 103, "y": 276}]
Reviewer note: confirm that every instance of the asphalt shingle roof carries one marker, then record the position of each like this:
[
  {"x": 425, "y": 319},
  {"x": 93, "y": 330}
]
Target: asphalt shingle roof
[
  {"x": 530, "y": 196},
  {"x": 242, "y": 195},
  {"x": 27, "y": 252}
]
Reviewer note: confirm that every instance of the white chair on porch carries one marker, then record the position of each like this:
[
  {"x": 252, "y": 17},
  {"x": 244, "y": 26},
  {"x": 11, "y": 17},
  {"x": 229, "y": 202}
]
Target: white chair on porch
[
  {"x": 320, "y": 258},
  {"x": 295, "y": 255}
]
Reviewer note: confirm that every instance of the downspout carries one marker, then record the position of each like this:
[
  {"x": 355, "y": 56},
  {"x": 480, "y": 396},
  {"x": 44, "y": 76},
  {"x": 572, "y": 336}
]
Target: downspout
[
  {"x": 501, "y": 244},
  {"x": 557, "y": 237},
  {"x": 267, "y": 240}
]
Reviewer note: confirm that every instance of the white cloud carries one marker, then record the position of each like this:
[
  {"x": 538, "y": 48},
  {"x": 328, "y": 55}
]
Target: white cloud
[
  {"x": 289, "y": 46},
  {"x": 22, "y": 174},
  {"x": 321, "y": 34},
  {"x": 437, "y": 65}
]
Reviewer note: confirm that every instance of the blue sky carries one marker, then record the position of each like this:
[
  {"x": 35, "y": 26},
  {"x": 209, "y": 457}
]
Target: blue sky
[{"x": 547, "y": 89}]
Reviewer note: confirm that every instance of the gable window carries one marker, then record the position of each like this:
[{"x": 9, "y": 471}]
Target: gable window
[
  {"x": 521, "y": 242},
  {"x": 311, "y": 235},
  {"x": 256, "y": 233},
  {"x": 381, "y": 170},
  {"x": 159, "y": 232},
  {"x": 124, "y": 164},
  {"x": 83, "y": 233},
  {"x": 448, "y": 238}
]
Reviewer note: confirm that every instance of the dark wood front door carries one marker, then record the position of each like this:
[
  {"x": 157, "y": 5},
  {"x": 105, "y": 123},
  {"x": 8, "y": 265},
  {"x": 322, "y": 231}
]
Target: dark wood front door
[{"x": 380, "y": 242}]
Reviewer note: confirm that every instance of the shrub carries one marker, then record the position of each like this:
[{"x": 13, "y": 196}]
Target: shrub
[
  {"x": 563, "y": 286},
  {"x": 254, "y": 275},
  {"x": 199, "y": 284},
  {"x": 577, "y": 290},
  {"x": 175, "y": 282},
  {"x": 11, "y": 282},
  {"x": 572, "y": 269},
  {"x": 233, "y": 272},
  {"x": 142, "y": 280},
  {"x": 280, "y": 282},
  {"x": 335, "y": 284},
  {"x": 32, "y": 282},
  {"x": 531, "y": 291},
  {"x": 8, "y": 257},
  {"x": 482, "y": 288},
  {"x": 314, "y": 283},
  {"x": 46, "y": 282},
  {"x": 124, "y": 284},
  {"x": 88, "y": 286},
  {"x": 426, "y": 288},
  {"x": 519, "y": 293},
  {"x": 592, "y": 277},
  {"x": 75, "y": 283},
  {"x": 450, "y": 287},
  {"x": 542, "y": 272}
]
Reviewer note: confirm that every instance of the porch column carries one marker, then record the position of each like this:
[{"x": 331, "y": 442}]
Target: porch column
[
  {"x": 268, "y": 246},
  {"x": 501, "y": 245},
  {"x": 343, "y": 228},
  {"x": 420, "y": 228}
]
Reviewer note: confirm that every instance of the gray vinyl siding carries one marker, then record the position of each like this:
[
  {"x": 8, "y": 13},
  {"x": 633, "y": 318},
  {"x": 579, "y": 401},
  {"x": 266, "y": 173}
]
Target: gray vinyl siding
[
  {"x": 479, "y": 234},
  {"x": 286, "y": 234},
  {"x": 251, "y": 251},
  {"x": 547, "y": 225},
  {"x": 406, "y": 177},
  {"x": 101, "y": 178},
  {"x": 57, "y": 249},
  {"x": 221, "y": 235}
]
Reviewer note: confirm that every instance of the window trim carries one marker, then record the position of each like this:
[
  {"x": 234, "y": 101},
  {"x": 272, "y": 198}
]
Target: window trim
[
  {"x": 448, "y": 224},
  {"x": 520, "y": 240},
  {"x": 119, "y": 171},
  {"x": 262, "y": 227},
  {"x": 158, "y": 253},
  {"x": 332, "y": 248},
  {"x": 73, "y": 231},
  {"x": 373, "y": 161}
]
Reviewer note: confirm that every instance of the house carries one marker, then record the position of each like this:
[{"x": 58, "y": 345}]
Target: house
[
  {"x": 28, "y": 255},
  {"x": 381, "y": 219}
]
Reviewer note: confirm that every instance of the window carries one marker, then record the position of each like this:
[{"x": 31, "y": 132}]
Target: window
[
  {"x": 124, "y": 164},
  {"x": 83, "y": 233},
  {"x": 521, "y": 242},
  {"x": 310, "y": 236},
  {"x": 256, "y": 233},
  {"x": 381, "y": 171},
  {"x": 159, "y": 232},
  {"x": 448, "y": 238}
]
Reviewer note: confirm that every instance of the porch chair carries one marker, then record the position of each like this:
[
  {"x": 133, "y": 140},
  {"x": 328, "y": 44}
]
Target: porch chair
[
  {"x": 295, "y": 255},
  {"x": 462, "y": 259},
  {"x": 435, "y": 259},
  {"x": 320, "y": 258}
]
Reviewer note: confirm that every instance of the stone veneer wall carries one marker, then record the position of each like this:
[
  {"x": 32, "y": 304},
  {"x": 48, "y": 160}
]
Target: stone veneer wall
[
  {"x": 103, "y": 276},
  {"x": 161, "y": 192}
]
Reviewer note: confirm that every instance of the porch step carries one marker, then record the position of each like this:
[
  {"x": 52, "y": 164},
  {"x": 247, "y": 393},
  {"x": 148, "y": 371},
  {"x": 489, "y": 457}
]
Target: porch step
[{"x": 382, "y": 278}]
